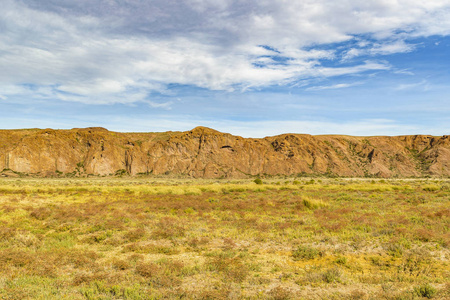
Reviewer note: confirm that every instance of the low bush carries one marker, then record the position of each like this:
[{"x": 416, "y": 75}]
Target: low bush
[
  {"x": 258, "y": 181},
  {"x": 425, "y": 290},
  {"x": 306, "y": 253},
  {"x": 312, "y": 204}
]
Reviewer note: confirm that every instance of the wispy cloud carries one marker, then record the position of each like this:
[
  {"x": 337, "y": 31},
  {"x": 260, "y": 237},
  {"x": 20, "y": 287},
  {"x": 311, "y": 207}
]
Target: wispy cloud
[
  {"x": 333, "y": 87},
  {"x": 106, "y": 52},
  {"x": 378, "y": 48},
  {"x": 422, "y": 85},
  {"x": 404, "y": 72}
]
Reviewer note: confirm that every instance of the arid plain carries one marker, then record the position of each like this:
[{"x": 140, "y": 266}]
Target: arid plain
[{"x": 278, "y": 238}]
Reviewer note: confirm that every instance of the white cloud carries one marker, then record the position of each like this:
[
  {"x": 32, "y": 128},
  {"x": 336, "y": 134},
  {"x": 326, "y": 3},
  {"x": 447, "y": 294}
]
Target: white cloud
[
  {"x": 391, "y": 48},
  {"x": 422, "y": 85},
  {"x": 404, "y": 72},
  {"x": 382, "y": 48},
  {"x": 367, "y": 66},
  {"x": 105, "y": 52},
  {"x": 332, "y": 87}
]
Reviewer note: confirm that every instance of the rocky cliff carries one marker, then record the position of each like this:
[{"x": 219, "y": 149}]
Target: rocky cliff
[{"x": 203, "y": 152}]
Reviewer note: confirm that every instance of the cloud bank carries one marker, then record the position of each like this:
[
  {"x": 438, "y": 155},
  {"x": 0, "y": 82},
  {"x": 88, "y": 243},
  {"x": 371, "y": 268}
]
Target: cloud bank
[{"x": 124, "y": 51}]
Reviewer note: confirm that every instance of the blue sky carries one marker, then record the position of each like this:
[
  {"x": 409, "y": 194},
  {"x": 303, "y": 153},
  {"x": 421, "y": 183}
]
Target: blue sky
[{"x": 252, "y": 68}]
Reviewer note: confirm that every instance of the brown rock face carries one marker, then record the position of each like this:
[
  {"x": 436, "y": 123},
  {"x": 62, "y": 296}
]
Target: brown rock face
[{"x": 204, "y": 152}]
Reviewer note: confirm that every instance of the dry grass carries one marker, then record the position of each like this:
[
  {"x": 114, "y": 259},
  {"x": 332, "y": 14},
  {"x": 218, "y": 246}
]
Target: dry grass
[{"x": 154, "y": 238}]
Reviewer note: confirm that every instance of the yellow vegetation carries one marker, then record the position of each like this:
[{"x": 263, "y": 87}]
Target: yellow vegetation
[{"x": 215, "y": 239}]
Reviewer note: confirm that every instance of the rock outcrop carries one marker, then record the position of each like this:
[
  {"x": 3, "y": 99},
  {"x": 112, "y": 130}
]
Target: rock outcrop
[{"x": 204, "y": 152}]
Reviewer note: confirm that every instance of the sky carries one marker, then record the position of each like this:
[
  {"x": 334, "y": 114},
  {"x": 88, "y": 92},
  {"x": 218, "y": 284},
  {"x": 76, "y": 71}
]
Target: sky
[{"x": 252, "y": 68}]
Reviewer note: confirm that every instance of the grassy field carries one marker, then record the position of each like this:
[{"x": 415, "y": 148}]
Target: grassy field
[{"x": 183, "y": 239}]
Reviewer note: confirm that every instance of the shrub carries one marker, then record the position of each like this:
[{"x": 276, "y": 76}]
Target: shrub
[
  {"x": 195, "y": 242},
  {"x": 425, "y": 290},
  {"x": 7, "y": 233},
  {"x": 148, "y": 269},
  {"x": 314, "y": 277},
  {"x": 168, "y": 228},
  {"x": 332, "y": 275},
  {"x": 232, "y": 267},
  {"x": 394, "y": 249},
  {"x": 121, "y": 264},
  {"x": 431, "y": 187},
  {"x": 415, "y": 263},
  {"x": 342, "y": 260},
  {"x": 16, "y": 257},
  {"x": 228, "y": 243},
  {"x": 41, "y": 213},
  {"x": 280, "y": 293},
  {"x": 357, "y": 294},
  {"x": 258, "y": 181},
  {"x": 134, "y": 235},
  {"x": 306, "y": 253},
  {"x": 79, "y": 258},
  {"x": 313, "y": 203}
]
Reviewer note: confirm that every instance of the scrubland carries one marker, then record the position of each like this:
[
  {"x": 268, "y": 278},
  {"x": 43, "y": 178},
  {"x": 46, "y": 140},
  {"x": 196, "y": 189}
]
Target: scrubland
[{"x": 289, "y": 238}]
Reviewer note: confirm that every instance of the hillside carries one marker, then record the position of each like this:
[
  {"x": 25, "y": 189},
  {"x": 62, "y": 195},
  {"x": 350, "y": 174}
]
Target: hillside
[{"x": 204, "y": 152}]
